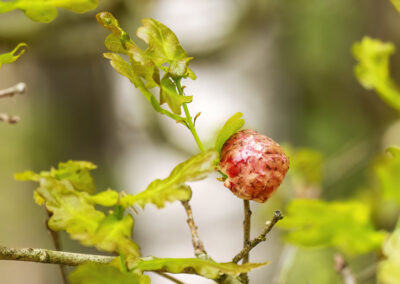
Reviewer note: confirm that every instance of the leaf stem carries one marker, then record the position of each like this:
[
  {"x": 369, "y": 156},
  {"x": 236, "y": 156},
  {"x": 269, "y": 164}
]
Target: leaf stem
[
  {"x": 261, "y": 238},
  {"x": 188, "y": 119}
]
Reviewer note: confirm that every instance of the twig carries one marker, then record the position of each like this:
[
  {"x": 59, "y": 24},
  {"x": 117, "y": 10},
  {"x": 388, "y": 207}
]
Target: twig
[
  {"x": 18, "y": 89},
  {"x": 246, "y": 237},
  {"x": 9, "y": 118},
  {"x": 57, "y": 245},
  {"x": 196, "y": 241},
  {"x": 261, "y": 238},
  {"x": 51, "y": 256},
  {"x": 169, "y": 277},
  {"x": 343, "y": 269}
]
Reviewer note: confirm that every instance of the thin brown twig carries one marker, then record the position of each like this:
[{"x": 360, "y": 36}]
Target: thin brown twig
[
  {"x": 343, "y": 269},
  {"x": 55, "y": 237},
  {"x": 198, "y": 245},
  {"x": 246, "y": 237},
  {"x": 169, "y": 277},
  {"x": 261, "y": 238},
  {"x": 11, "y": 119},
  {"x": 18, "y": 89}
]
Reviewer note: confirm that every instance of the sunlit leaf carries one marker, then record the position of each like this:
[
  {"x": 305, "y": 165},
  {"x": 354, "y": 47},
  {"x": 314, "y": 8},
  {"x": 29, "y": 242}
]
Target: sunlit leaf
[
  {"x": 173, "y": 187},
  {"x": 388, "y": 269},
  {"x": 92, "y": 273},
  {"x": 170, "y": 95},
  {"x": 343, "y": 225},
  {"x": 13, "y": 55},
  {"x": 46, "y": 10},
  {"x": 205, "y": 268},
  {"x": 396, "y": 3},
  {"x": 372, "y": 69},
  {"x": 387, "y": 171},
  {"x": 231, "y": 126},
  {"x": 73, "y": 210}
]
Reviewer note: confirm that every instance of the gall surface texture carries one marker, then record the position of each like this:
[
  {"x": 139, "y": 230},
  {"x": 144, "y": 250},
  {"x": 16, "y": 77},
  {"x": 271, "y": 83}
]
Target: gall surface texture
[{"x": 255, "y": 165}]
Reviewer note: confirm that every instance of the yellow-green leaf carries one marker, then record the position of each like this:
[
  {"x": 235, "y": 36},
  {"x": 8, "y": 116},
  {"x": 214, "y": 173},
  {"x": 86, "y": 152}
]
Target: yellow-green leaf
[
  {"x": 92, "y": 273},
  {"x": 396, "y": 3},
  {"x": 231, "y": 126},
  {"x": 173, "y": 187},
  {"x": 387, "y": 171},
  {"x": 343, "y": 225},
  {"x": 46, "y": 10},
  {"x": 164, "y": 48},
  {"x": 388, "y": 269},
  {"x": 206, "y": 268},
  {"x": 169, "y": 94},
  {"x": 13, "y": 55},
  {"x": 372, "y": 70}
]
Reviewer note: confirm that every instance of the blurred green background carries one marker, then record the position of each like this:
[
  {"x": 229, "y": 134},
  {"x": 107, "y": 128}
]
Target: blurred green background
[{"x": 287, "y": 65}]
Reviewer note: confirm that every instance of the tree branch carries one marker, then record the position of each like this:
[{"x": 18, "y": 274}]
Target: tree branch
[
  {"x": 343, "y": 269},
  {"x": 246, "y": 237},
  {"x": 196, "y": 241},
  {"x": 9, "y": 118},
  {"x": 18, "y": 89},
  {"x": 261, "y": 238},
  {"x": 51, "y": 256}
]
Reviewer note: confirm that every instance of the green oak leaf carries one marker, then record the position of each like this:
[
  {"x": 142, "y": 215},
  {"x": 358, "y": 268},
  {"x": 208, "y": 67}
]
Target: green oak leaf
[
  {"x": 372, "y": 70},
  {"x": 387, "y": 171},
  {"x": 45, "y": 11},
  {"x": 343, "y": 225},
  {"x": 173, "y": 187},
  {"x": 92, "y": 273},
  {"x": 164, "y": 48},
  {"x": 231, "y": 126},
  {"x": 169, "y": 94},
  {"x": 206, "y": 268},
  {"x": 73, "y": 210},
  {"x": 388, "y": 269},
  {"x": 77, "y": 172},
  {"x": 13, "y": 55}
]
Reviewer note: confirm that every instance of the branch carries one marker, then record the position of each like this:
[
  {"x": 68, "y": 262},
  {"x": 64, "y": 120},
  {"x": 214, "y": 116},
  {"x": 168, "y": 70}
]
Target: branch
[
  {"x": 9, "y": 118},
  {"x": 343, "y": 269},
  {"x": 197, "y": 243},
  {"x": 18, "y": 89},
  {"x": 246, "y": 237},
  {"x": 51, "y": 256},
  {"x": 261, "y": 238}
]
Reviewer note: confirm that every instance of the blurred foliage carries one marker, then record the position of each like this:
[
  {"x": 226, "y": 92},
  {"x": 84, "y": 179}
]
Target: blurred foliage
[
  {"x": 13, "y": 55},
  {"x": 344, "y": 225},
  {"x": 388, "y": 270},
  {"x": 46, "y": 11},
  {"x": 373, "y": 69},
  {"x": 387, "y": 171}
]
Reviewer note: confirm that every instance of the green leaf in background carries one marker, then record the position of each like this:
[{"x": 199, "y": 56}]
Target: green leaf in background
[
  {"x": 396, "y": 3},
  {"x": 45, "y": 11},
  {"x": 169, "y": 94},
  {"x": 387, "y": 171},
  {"x": 63, "y": 191},
  {"x": 231, "y": 126},
  {"x": 388, "y": 269},
  {"x": 343, "y": 225},
  {"x": 164, "y": 48},
  {"x": 372, "y": 70},
  {"x": 173, "y": 187},
  {"x": 92, "y": 273},
  {"x": 13, "y": 55},
  {"x": 205, "y": 268}
]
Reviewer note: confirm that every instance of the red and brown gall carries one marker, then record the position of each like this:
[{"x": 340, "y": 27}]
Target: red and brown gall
[{"x": 254, "y": 164}]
